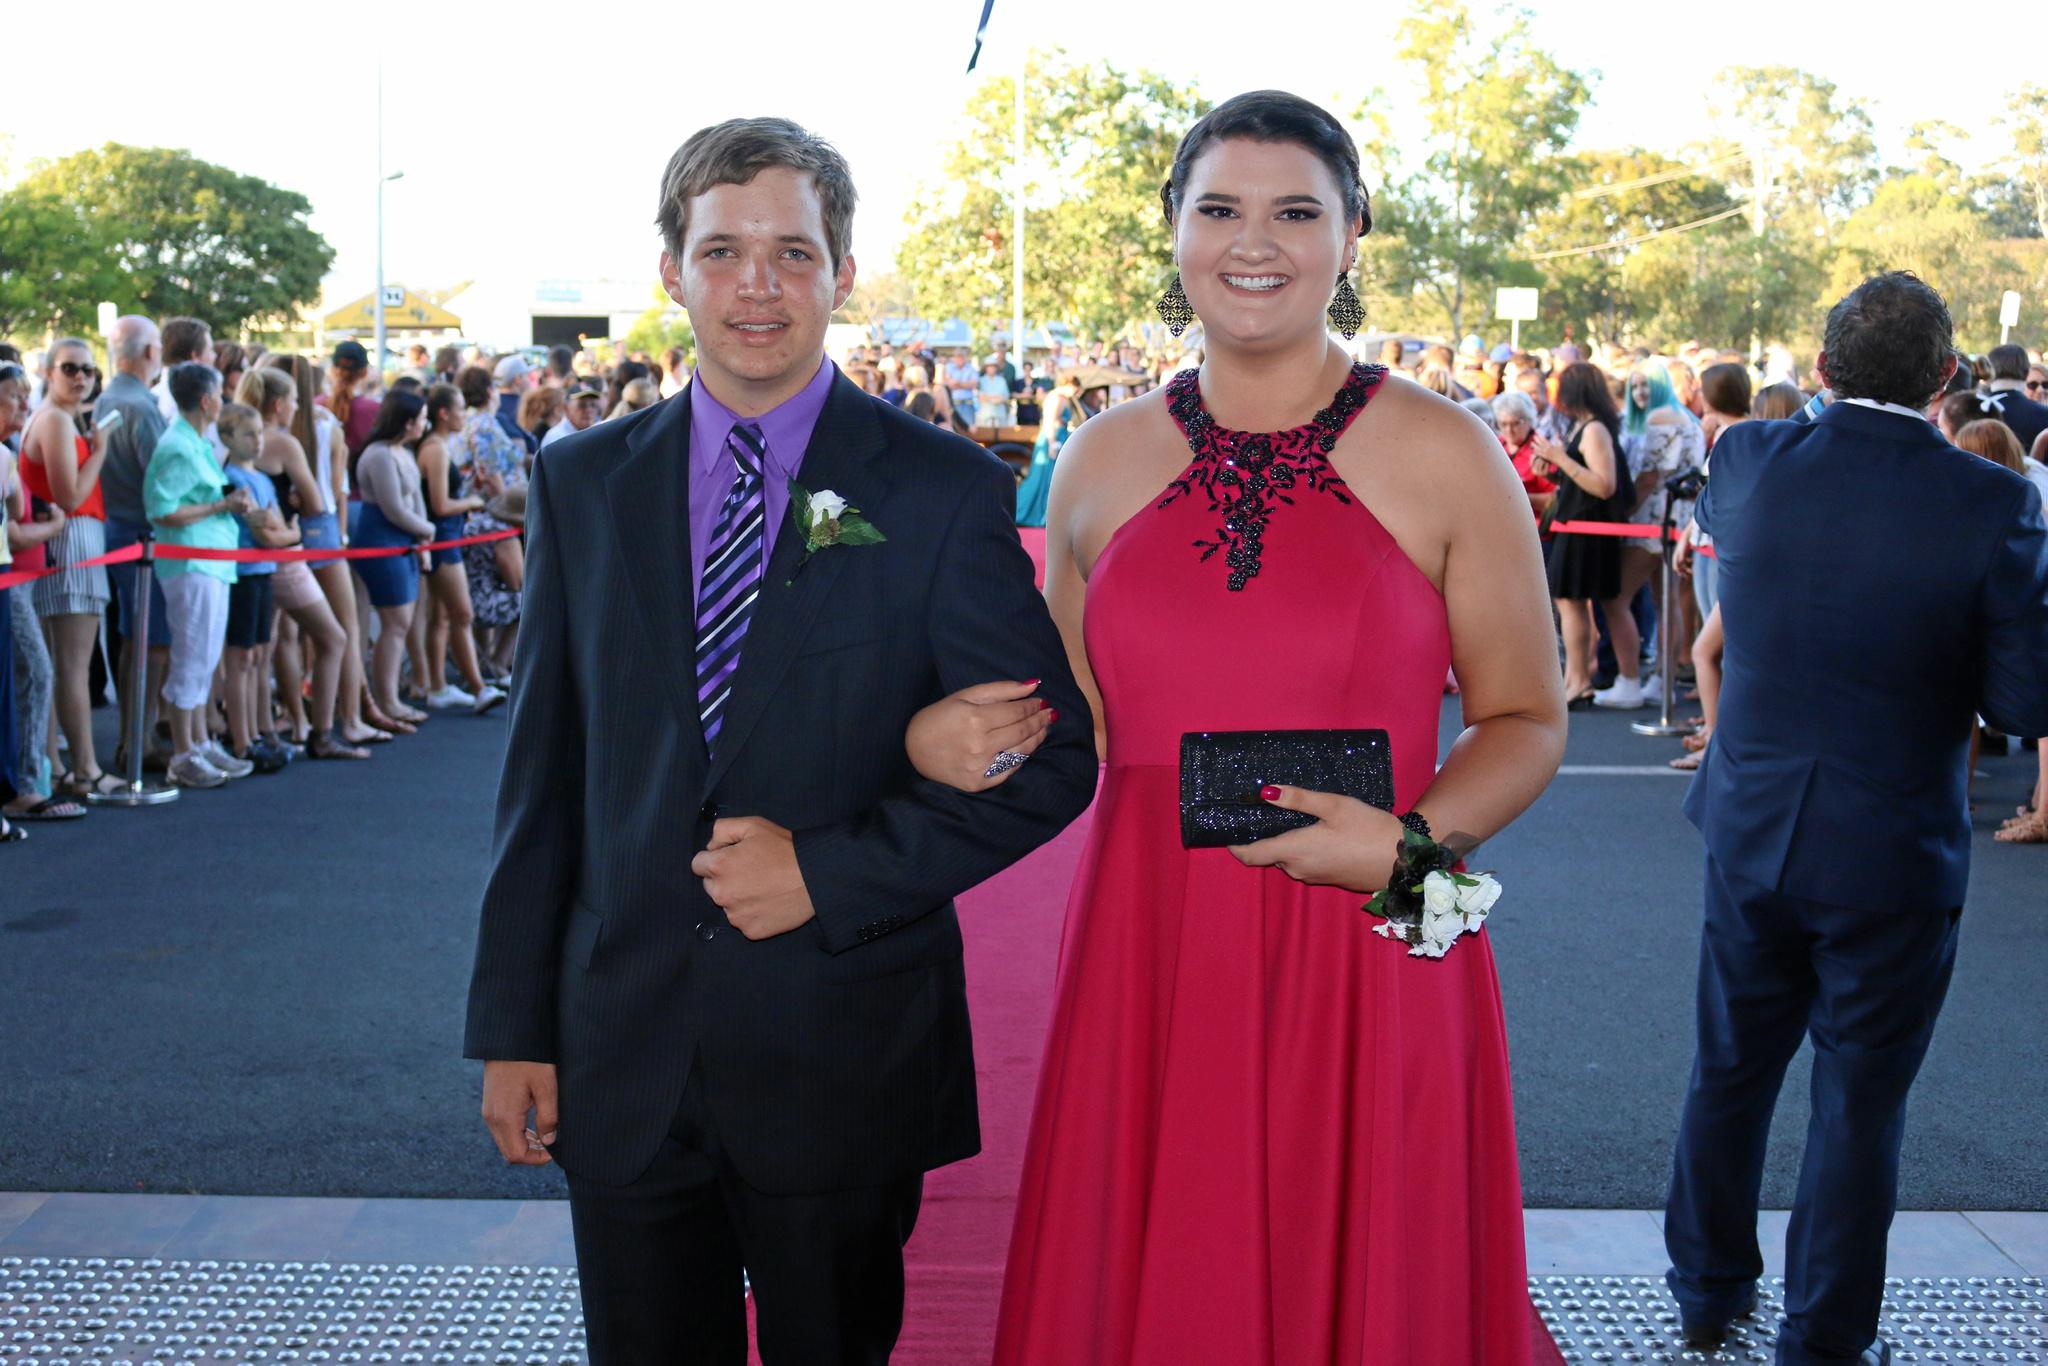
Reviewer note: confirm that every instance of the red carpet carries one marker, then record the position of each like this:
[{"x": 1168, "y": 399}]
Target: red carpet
[
  {"x": 1012, "y": 929},
  {"x": 1034, "y": 545}
]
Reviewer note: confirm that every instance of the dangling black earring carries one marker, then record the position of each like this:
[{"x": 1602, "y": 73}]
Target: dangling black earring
[
  {"x": 1173, "y": 308},
  {"x": 1347, "y": 315}
]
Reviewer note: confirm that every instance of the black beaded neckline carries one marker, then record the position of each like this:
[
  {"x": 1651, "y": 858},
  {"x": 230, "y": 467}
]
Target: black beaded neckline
[{"x": 1245, "y": 473}]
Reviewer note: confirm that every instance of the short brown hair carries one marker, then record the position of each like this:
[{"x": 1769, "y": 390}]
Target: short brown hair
[
  {"x": 184, "y": 339},
  {"x": 733, "y": 153},
  {"x": 540, "y": 409},
  {"x": 477, "y": 387}
]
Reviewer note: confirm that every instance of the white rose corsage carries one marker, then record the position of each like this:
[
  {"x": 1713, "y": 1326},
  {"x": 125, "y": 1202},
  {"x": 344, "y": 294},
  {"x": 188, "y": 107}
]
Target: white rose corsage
[
  {"x": 1429, "y": 901},
  {"x": 824, "y": 520}
]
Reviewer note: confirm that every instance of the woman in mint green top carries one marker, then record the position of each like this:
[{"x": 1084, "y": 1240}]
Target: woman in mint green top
[{"x": 183, "y": 474}]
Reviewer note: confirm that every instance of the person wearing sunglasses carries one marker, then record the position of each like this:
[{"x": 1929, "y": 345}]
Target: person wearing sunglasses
[
  {"x": 2010, "y": 399},
  {"x": 60, "y": 467}
]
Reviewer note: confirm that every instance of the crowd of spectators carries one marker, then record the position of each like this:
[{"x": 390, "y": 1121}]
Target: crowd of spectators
[
  {"x": 329, "y": 658},
  {"x": 252, "y": 663}
]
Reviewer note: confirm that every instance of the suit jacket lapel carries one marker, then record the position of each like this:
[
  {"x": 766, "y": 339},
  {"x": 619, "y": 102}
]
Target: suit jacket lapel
[
  {"x": 841, "y": 458},
  {"x": 649, "y": 495}
]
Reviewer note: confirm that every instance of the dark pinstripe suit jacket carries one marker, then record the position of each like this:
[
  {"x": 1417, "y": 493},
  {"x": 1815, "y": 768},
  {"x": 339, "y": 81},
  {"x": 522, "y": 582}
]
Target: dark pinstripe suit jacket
[{"x": 837, "y": 1055}]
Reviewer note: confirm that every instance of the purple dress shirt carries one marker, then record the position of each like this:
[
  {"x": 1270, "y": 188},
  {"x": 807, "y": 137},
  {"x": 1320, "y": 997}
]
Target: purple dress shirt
[{"x": 785, "y": 428}]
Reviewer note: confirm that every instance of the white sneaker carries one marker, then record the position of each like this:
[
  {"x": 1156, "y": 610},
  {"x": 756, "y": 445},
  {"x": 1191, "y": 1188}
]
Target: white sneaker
[
  {"x": 1625, "y": 695},
  {"x": 192, "y": 770},
  {"x": 488, "y": 698},
  {"x": 1653, "y": 687},
  {"x": 223, "y": 762},
  {"x": 448, "y": 695}
]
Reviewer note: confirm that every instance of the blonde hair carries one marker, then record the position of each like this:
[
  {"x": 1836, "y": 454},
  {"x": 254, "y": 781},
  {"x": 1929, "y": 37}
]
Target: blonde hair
[
  {"x": 638, "y": 394},
  {"x": 234, "y": 417},
  {"x": 262, "y": 388}
]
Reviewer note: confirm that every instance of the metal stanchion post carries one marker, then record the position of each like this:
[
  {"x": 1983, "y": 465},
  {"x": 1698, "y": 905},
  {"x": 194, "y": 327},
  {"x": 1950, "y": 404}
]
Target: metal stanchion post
[
  {"x": 1669, "y": 623},
  {"x": 134, "y": 791}
]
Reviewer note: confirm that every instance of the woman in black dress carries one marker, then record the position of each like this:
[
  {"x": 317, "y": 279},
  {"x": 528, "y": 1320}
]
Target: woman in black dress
[{"x": 1592, "y": 486}]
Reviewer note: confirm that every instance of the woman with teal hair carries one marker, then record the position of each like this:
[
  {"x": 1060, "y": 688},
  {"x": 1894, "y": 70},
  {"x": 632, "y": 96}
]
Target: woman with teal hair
[
  {"x": 1659, "y": 438},
  {"x": 1062, "y": 414}
]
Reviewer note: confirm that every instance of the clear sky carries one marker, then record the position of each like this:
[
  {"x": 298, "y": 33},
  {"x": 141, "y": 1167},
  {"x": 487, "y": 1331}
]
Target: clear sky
[{"x": 533, "y": 137}]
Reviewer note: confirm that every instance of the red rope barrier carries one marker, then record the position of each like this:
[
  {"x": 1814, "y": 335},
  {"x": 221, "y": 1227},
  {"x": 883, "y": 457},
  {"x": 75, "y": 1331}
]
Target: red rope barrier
[{"x": 131, "y": 553}]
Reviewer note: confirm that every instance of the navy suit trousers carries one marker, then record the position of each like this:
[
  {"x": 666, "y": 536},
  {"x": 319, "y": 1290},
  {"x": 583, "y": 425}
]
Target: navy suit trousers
[{"x": 1866, "y": 983}]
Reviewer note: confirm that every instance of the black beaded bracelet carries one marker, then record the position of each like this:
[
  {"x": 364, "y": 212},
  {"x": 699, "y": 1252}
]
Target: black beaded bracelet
[{"x": 1414, "y": 821}]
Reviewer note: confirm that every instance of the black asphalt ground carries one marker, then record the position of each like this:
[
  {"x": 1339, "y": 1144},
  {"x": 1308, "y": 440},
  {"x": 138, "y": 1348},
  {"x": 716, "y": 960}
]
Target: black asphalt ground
[{"x": 259, "y": 990}]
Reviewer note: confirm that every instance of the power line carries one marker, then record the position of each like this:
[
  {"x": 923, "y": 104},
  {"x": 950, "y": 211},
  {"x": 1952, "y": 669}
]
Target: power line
[
  {"x": 1660, "y": 177},
  {"x": 1640, "y": 237}
]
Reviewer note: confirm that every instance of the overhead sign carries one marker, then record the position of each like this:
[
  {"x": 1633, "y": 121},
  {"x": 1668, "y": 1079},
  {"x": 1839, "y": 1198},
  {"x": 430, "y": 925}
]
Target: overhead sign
[
  {"x": 403, "y": 312},
  {"x": 1515, "y": 305},
  {"x": 2009, "y": 309}
]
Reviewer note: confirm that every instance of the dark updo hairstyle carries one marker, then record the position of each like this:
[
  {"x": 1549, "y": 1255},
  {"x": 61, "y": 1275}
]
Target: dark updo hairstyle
[
  {"x": 1273, "y": 116},
  {"x": 1889, "y": 339},
  {"x": 1582, "y": 392}
]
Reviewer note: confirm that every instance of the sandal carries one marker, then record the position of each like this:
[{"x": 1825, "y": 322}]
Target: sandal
[
  {"x": 387, "y": 724},
  {"x": 1694, "y": 743},
  {"x": 1688, "y": 762},
  {"x": 75, "y": 786},
  {"x": 1583, "y": 702},
  {"x": 53, "y": 808},
  {"x": 11, "y": 833}
]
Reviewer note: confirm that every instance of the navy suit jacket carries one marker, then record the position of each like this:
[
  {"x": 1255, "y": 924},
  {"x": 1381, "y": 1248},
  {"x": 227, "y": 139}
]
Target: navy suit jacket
[
  {"x": 2027, "y": 418},
  {"x": 1879, "y": 588},
  {"x": 837, "y": 1055}
]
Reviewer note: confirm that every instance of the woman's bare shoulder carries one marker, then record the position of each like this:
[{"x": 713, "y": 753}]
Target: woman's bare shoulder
[{"x": 1420, "y": 436}]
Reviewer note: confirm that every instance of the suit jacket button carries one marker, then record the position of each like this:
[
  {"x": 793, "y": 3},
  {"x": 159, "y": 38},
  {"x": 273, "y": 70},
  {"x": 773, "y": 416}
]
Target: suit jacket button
[
  {"x": 708, "y": 811},
  {"x": 706, "y": 931}
]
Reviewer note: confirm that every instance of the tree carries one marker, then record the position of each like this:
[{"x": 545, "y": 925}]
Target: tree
[
  {"x": 663, "y": 325},
  {"x": 55, "y": 265},
  {"x": 189, "y": 237},
  {"x": 1915, "y": 223},
  {"x": 1099, "y": 141},
  {"x": 1819, "y": 158},
  {"x": 1622, "y": 196},
  {"x": 877, "y": 295},
  {"x": 2025, "y": 121},
  {"x": 1726, "y": 286},
  {"x": 1499, "y": 112}
]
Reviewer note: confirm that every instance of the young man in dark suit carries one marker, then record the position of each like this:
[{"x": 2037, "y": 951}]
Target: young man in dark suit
[
  {"x": 1880, "y": 589},
  {"x": 2009, "y": 397},
  {"x": 718, "y": 963}
]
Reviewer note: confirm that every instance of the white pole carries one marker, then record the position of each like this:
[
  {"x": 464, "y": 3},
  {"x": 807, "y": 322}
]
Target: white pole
[
  {"x": 377, "y": 296},
  {"x": 1515, "y": 334},
  {"x": 1017, "y": 216}
]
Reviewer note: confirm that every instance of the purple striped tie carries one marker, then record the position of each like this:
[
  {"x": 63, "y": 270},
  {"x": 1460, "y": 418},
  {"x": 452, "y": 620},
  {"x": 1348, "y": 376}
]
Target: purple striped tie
[{"x": 732, "y": 581}]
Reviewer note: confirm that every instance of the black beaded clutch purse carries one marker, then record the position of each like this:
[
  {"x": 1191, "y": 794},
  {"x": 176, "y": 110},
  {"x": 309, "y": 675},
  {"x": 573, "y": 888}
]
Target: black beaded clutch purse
[{"x": 1221, "y": 772}]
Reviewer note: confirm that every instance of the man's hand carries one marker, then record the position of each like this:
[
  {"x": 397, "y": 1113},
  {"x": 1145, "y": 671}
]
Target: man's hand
[
  {"x": 240, "y": 501},
  {"x": 511, "y": 1090},
  {"x": 750, "y": 871},
  {"x": 1351, "y": 845}
]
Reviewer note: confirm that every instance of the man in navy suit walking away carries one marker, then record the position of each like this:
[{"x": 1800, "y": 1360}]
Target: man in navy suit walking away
[{"x": 1880, "y": 588}]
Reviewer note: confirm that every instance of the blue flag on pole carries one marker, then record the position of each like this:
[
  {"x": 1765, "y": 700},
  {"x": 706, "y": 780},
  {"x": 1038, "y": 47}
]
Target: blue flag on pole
[{"x": 979, "y": 30}]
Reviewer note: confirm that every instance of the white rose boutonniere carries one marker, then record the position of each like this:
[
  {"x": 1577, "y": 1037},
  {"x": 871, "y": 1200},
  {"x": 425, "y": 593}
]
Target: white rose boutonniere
[
  {"x": 1430, "y": 901},
  {"x": 824, "y": 520}
]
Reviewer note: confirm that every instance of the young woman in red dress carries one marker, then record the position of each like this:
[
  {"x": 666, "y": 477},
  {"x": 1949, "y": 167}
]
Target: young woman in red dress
[{"x": 1265, "y": 1135}]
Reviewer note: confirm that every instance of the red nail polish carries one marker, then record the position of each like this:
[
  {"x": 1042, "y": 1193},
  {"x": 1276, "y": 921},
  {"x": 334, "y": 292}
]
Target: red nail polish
[
  {"x": 1054, "y": 718},
  {"x": 1269, "y": 793},
  {"x": 1032, "y": 682}
]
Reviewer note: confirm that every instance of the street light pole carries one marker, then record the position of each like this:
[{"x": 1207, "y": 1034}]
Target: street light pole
[
  {"x": 377, "y": 298},
  {"x": 1017, "y": 210}
]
